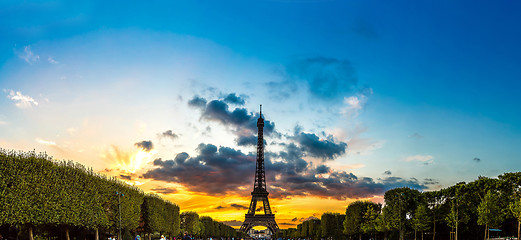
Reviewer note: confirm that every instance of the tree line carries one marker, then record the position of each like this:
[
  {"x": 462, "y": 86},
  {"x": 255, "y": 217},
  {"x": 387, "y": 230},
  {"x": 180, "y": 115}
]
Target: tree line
[
  {"x": 471, "y": 210},
  {"x": 53, "y": 199}
]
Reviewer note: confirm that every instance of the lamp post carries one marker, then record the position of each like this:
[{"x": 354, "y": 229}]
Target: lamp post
[{"x": 119, "y": 207}]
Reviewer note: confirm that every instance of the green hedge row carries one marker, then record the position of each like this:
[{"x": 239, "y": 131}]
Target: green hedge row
[{"x": 37, "y": 191}]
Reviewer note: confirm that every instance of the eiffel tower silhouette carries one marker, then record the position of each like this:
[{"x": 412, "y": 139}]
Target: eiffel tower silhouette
[{"x": 260, "y": 194}]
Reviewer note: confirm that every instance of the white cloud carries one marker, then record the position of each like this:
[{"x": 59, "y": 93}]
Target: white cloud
[
  {"x": 426, "y": 159},
  {"x": 21, "y": 101},
  {"x": 353, "y": 104},
  {"x": 45, "y": 142},
  {"x": 28, "y": 55},
  {"x": 3, "y": 122},
  {"x": 51, "y": 60}
]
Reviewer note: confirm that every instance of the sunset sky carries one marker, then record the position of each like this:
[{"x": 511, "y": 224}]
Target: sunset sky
[{"x": 358, "y": 96}]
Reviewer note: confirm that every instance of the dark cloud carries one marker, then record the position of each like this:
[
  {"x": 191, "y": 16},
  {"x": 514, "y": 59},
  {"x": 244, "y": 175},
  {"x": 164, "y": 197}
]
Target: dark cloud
[
  {"x": 477, "y": 159},
  {"x": 126, "y": 177},
  {"x": 326, "y": 78},
  {"x": 239, "y": 118},
  {"x": 221, "y": 170},
  {"x": 197, "y": 102},
  {"x": 286, "y": 224},
  {"x": 247, "y": 140},
  {"x": 214, "y": 171},
  {"x": 169, "y": 134},
  {"x": 430, "y": 181},
  {"x": 294, "y": 219},
  {"x": 238, "y": 206},
  {"x": 321, "y": 148},
  {"x": 145, "y": 145},
  {"x": 308, "y": 218},
  {"x": 321, "y": 169},
  {"x": 234, "y": 99},
  {"x": 164, "y": 190},
  {"x": 233, "y": 205},
  {"x": 387, "y": 172}
]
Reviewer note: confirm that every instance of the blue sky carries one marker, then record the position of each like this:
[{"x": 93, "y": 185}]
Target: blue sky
[{"x": 423, "y": 94}]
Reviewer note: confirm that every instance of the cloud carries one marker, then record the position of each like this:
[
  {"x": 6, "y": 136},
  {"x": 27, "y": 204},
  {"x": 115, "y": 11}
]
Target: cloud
[
  {"x": 223, "y": 170},
  {"x": 28, "y": 56},
  {"x": 234, "y": 99},
  {"x": 214, "y": 171},
  {"x": 239, "y": 118},
  {"x": 250, "y": 140},
  {"x": 197, "y": 102},
  {"x": 477, "y": 159},
  {"x": 126, "y": 177},
  {"x": 321, "y": 169},
  {"x": 387, "y": 172},
  {"x": 21, "y": 101},
  {"x": 51, "y": 60},
  {"x": 430, "y": 181},
  {"x": 426, "y": 159},
  {"x": 308, "y": 218},
  {"x": 169, "y": 134},
  {"x": 45, "y": 142},
  {"x": 354, "y": 104},
  {"x": 247, "y": 140},
  {"x": 238, "y": 206},
  {"x": 325, "y": 78},
  {"x": 145, "y": 145},
  {"x": 326, "y": 149},
  {"x": 164, "y": 190},
  {"x": 3, "y": 122},
  {"x": 286, "y": 224}
]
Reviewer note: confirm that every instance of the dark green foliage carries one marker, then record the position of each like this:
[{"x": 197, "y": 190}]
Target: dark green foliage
[
  {"x": 489, "y": 211},
  {"x": 42, "y": 193},
  {"x": 190, "y": 223},
  {"x": 421, "y": 219},
  {"x": 127, "y": 235},
  {"x": 332, "y": 225},
  {"x": 160, "y": 215},
  {"x": 360, "y": 217}
]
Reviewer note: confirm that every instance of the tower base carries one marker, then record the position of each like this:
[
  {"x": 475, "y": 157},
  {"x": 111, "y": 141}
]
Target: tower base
[{"x": 267, "y": 220}]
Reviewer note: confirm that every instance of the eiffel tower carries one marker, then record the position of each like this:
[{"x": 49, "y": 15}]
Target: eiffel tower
[{"x": 260, "y": 194}]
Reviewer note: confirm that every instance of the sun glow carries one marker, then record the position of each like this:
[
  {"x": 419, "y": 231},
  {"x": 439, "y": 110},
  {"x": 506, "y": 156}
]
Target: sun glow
[{"x": 138, "y": 160}]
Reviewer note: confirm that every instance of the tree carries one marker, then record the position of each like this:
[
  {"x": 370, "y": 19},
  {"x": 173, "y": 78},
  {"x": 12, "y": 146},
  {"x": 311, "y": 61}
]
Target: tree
[
  {"x": 515, "y": 208},
  {"x": 382, "y": 224},
  {"x": 420, "y": 220},
  {"x": 490, "y": 213},
  {"x": 190, "y": 223},
  {"x": 456, "y": 215},
  {"x": 435, "y": 201},
  {"x": 331, "y": 225},
  {"x": 360, "y": 217},
  {"x": 400, "y": 205},
  {"x": 368, "y": 225}
]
